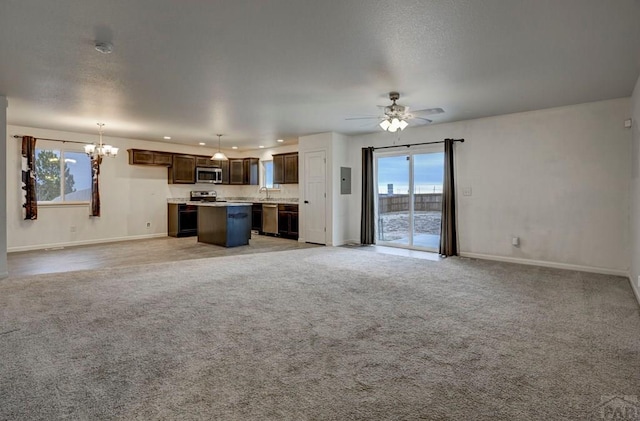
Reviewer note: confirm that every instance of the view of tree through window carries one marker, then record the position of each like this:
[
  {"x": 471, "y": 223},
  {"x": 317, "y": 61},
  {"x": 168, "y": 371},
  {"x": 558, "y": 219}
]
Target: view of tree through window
[{"x": 62, "y": 176}]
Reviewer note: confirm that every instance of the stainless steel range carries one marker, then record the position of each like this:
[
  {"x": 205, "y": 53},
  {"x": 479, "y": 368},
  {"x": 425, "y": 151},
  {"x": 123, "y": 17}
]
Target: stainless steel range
[{"x": 204, "y": 196}]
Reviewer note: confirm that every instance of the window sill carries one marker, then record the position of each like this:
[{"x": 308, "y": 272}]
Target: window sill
[{"x": 62, "y": 204}]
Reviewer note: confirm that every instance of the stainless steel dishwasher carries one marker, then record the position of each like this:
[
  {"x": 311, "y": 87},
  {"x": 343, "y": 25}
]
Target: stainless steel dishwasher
[{"x": 270, "y": 218}]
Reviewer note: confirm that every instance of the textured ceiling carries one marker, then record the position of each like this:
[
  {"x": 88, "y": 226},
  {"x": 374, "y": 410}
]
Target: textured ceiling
[{"x": 266, "y": 69}]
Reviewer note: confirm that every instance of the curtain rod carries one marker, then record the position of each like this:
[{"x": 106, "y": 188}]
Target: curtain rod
[
  {"x": 54, "y": 140},
  {"x": 417, "y": 144}
]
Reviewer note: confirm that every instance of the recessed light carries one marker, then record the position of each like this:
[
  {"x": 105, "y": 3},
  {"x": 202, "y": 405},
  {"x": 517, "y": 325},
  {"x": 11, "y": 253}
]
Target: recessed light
[
  {"x": 104, "y": 47},
  {"x": 201, "y": 143},
  {"x": 234, "y": 147},
  {"x": 280, "y": 140},
  {"x": 167, "y": 137},
  {"x": 261, "y": 147}
]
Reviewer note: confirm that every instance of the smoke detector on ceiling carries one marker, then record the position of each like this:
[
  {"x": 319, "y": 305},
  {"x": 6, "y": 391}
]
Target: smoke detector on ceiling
[{"x": 104, "y": 47}]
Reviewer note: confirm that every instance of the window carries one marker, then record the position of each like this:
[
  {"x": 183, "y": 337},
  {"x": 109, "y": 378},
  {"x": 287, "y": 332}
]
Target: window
[
  {"x": 62, "y": 176},
  {"x": 267, "y": 180}
]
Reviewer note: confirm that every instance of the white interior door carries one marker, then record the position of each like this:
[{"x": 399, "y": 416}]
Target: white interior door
[{"x": 315, "y": 197}]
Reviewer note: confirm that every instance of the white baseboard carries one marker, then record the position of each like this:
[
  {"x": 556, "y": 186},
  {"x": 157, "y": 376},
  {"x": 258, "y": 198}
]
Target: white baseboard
[
  {"x": 555, "y": 265},
  {"x": 635, "y": 290},
  {"x": 83, "y": 242}
]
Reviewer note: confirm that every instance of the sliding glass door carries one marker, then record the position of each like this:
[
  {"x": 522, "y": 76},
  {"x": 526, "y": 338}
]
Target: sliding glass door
[{"x": 409, "y": 199}]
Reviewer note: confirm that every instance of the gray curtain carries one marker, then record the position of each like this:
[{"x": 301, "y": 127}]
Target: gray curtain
[
  {"x": 448, "y": 231},
  {"x": 367, "y": 221}
]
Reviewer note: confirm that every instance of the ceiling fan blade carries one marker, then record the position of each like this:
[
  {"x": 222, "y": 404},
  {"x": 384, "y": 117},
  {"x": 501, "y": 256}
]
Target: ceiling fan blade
[
  {"x": 362, "y": 118},
  {"x": 429, "y": 111},
  {"x": 423, "y": 119}
]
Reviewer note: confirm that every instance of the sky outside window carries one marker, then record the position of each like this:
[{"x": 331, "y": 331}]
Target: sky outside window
[{"x": 428, "y": 173}]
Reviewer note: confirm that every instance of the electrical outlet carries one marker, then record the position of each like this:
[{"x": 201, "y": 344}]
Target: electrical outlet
[
  {"x": 73, "y": 228},
  {"x": 148, "y": 224},
  {"x": 515, "y": 241},
  {"x": 466, "y": 191}
]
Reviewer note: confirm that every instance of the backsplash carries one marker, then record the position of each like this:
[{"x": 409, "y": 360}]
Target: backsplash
[{"x": 287, "y": 192}]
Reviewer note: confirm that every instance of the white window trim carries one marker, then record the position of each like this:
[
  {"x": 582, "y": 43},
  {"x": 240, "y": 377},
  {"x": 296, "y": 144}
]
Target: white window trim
[
  {"x": 263, "y": 176},
  {"x": 50, "y": 146}
]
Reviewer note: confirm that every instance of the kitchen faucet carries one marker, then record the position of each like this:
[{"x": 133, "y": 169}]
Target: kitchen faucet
[{"x": 266, "y": 190}]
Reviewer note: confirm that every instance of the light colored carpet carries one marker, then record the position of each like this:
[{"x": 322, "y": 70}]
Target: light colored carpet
[{"x": 316, "y": 334}]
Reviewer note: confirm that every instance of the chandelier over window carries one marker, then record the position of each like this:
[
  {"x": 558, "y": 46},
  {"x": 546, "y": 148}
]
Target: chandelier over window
[{"x": 100, "y": 150}]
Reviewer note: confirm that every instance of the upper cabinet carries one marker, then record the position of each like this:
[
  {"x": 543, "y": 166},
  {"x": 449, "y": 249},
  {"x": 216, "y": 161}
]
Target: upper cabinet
[
  {"x": 285, "y": 168},
  {"x": 205, "y": 161},
  {"x": 243, "y": 171},
  {"x": 250, "y": 173},
  {"x": 183, "y": 170},
  {"x": 236, "y": 171},
  {"x": 182, "y": 167},
  {"x": 142, "y": 157}
]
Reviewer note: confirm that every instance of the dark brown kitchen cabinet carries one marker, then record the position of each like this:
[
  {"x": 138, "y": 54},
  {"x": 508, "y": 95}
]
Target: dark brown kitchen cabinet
[
  {"x": 291, "y": 169},
  {"x": 285, "y": 168},
  {"x": 288, "y": 221},
  {"x": 243, "y": 171},
  {"x": 143, "y": 157},
  {"x": 182, "y": 220},
  {"x": 183, "y": 170},
  {"x": 256, "y": 217},
  {"x": 236, "y": 171},
  {"x": 250, "y": 171},
  {"x": 278, "y": 169},
  {"x": 205, "y": 161}
]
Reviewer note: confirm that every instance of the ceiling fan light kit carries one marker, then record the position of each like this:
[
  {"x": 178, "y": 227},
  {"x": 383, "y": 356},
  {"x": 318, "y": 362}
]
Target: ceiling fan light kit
[
  {"x": 396, "y": 117},
  {"x": 393, "y": 124}
]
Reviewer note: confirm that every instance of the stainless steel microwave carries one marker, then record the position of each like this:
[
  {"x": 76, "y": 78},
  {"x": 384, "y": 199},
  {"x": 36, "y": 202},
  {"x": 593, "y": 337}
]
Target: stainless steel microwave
[{"x": 209, "y": 175}]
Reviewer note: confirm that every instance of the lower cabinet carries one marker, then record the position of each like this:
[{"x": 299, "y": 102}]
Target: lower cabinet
[
  {"x": 288, "y": 221},
  {"x": 182, "y": 220},
  {"x": 256, "y": 217}
]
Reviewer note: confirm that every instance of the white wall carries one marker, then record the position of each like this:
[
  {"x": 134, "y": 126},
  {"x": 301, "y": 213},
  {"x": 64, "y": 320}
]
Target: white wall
[
  {"x": 557, "y": 178},
  {"x": 131, "y": 196},
  {"x": 634, "y": 272},
  {"x": 3, "y": 188},
  {"x": 337, "y": 207},
  {"x": 340, "y": 202}
]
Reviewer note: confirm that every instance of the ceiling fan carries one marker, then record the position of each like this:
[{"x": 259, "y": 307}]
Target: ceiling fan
[{"x": 397, "y": 116}]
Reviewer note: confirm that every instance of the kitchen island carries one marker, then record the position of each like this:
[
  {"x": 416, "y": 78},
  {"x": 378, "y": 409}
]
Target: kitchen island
[{"x": 226, "y": 224}]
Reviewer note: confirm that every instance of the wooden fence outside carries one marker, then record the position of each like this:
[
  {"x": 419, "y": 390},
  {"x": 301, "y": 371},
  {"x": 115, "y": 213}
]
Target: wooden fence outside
[{"x": 400, "y": 202}]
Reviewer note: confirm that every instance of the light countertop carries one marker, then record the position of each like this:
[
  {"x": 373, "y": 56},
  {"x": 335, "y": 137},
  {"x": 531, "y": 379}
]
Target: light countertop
[
  {"x": 244, "y": 201},
  {"x": 219, "y": 204}
]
